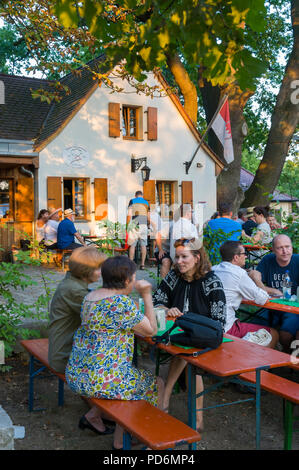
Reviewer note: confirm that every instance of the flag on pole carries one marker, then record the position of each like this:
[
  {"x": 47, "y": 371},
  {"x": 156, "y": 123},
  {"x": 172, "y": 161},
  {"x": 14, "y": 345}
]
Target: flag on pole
[{"x": 222, "y": 128}]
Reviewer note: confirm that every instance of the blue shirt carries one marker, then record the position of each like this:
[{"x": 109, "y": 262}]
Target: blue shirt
[
  {"x": 139, "y": 209},
  {"x": 230, "y": 227},
  {"x": 225, "y": 229},
  {"x": 273, "y": 274},
  {"x": 65, "y": 233}
]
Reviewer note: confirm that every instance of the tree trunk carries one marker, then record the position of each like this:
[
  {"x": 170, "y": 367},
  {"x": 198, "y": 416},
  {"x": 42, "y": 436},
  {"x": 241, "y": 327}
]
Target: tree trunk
[
  {"x": 228, "y": 189},
  {"x": 186, "y": 86},
  {"x": 284, "y": 121}
]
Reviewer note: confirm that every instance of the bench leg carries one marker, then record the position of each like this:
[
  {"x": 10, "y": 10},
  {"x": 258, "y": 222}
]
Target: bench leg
[
  {"x": 32, "y": 374},
  {"x": 60, "y": 392},
  {"x": 288, "y": 424},
  {"x": 126, "y": 441}
]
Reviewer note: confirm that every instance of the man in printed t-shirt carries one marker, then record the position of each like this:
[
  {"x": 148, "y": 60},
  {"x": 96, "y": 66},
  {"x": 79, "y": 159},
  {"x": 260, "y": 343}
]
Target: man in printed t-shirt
[{"x": 269, "y": 275}]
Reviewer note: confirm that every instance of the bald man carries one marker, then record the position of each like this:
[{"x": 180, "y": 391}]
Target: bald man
[{"x": 269, "y": 275}]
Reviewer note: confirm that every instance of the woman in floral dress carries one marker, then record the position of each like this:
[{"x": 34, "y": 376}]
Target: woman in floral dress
[{"x": 100, "y": 364}]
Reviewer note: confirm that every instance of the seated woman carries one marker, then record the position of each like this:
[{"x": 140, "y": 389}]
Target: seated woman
[
  {"x": 100, "y": 363},
  {"x": 40, "y": 224},
  {"x": 263, "y": 234},
  {"x": 190, "y": 287},
  {"x": 50, "y": 230},
  {"x": 84, "y": 269}
]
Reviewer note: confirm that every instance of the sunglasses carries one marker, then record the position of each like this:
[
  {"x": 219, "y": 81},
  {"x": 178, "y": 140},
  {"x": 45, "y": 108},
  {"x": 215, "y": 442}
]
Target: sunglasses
[{"x": 242, "y": 253}]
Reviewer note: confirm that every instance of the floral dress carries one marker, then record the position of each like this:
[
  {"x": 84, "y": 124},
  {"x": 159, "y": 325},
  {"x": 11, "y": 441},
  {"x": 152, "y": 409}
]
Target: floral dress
[{"x": 100, "y": 364}]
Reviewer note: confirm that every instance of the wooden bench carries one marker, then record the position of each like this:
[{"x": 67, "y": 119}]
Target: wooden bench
[
  {"x": 151, "y": 426},
  {"x": 61, "y": 255},
  {"x": 285, "y": 389}
]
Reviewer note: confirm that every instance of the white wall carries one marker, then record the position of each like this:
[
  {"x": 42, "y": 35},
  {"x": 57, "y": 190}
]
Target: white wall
[{"x": 111, "y": 157}]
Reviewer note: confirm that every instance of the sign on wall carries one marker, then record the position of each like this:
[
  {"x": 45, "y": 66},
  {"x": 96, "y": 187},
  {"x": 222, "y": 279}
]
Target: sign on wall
[{"x": 76, "y": 157}]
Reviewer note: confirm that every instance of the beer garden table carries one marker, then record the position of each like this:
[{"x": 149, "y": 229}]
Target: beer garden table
[{"x": 226, "y": 363}]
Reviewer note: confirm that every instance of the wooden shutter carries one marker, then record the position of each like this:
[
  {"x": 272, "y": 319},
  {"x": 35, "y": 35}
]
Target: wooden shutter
[
  {"x": 149, "y": 191},
  {"x": 187, "y": 192},
  {"x": 114, "y": 119},
  {"x": 54, "y": 192},
  {"x": 152, "y": 123},
  {"x": 24, "y": 199},
  {"x": 101, "y": 198}
]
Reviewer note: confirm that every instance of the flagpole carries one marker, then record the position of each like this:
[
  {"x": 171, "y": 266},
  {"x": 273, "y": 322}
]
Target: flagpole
[{"x": 188, "y": 164}]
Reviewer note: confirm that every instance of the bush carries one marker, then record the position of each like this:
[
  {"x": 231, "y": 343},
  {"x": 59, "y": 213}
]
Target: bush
[{"x": 12, "y": 278}]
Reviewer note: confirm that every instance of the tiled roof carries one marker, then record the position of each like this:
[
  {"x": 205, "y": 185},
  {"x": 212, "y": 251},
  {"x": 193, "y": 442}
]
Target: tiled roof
[
  {"x": 21, "y": 116},
  {"x": 81, "y": 84},
  {"x": 25, "y": 118},
  {"x": 246, "y": 178}
]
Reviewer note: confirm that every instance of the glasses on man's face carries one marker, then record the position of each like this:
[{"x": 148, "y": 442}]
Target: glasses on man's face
[{"x": 242, "y": 253}]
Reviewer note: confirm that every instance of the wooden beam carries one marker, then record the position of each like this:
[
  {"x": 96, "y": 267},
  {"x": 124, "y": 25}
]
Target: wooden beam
[{"x": 20, "y": 160}]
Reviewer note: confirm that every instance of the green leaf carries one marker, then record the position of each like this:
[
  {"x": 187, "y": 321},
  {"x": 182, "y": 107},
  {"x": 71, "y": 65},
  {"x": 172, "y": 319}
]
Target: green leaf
[{"x": 67, "y": 13}]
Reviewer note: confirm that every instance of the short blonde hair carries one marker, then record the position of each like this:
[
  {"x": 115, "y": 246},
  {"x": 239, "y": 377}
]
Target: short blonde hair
[{"x": 85, "y": 260}]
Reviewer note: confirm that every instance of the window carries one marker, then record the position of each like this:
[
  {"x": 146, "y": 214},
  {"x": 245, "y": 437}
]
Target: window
[
  {"x": 165, "y": 190},
  {"x": 132, "y": 122},
  {"x": 129, "y": 120},
  {"x": 75, "y": 196},
  {"x": 6, "y": 199}
]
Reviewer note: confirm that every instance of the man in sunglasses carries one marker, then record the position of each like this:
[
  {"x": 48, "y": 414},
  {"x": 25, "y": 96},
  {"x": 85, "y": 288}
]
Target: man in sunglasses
[{"x": 237, "y": 286}]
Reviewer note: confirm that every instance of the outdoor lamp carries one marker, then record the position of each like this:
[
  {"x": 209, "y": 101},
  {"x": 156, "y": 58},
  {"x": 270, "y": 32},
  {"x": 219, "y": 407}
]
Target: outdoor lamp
[
  {"x": 136, "y": 164},
  {"x": 145, "y": 173}
]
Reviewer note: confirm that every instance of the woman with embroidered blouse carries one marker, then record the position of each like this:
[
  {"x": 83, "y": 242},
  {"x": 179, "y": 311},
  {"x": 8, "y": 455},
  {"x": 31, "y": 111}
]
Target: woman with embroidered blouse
[
  {"x": 190, "y": 287},
  {"x": 100, "y": 364}
]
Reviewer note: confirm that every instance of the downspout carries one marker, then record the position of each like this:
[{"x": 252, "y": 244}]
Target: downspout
[{"x": 26, "y": 172}]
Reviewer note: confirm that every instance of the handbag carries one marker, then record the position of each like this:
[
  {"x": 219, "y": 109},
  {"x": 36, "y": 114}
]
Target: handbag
[{"x": 199, "y": 331}]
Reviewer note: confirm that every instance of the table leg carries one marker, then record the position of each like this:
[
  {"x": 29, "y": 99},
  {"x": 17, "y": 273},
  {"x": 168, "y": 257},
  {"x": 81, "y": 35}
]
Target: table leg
[
  {"x": 258, "y": 408},
  {"x": 192, "y": 400}
]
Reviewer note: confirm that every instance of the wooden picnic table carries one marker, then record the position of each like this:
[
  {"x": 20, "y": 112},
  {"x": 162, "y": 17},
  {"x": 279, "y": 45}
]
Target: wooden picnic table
[
  {"x": 251, "y": 253},
  {"x": 285, "y": 307},
  {"x": 228, "y": 361}
]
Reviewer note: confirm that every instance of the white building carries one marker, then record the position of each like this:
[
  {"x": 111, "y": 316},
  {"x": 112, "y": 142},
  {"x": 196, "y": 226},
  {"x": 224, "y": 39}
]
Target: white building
[{"x": 78, "y": 153}]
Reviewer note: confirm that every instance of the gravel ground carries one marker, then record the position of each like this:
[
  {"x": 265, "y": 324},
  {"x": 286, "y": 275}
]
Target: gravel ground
[{"x": 56, "y": 428}]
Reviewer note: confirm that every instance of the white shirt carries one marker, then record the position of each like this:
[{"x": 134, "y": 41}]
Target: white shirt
[
  {"x": 182, "y": 228},
  {"x": 237, "y": 286},
  {"x": 50, "y": 232}
]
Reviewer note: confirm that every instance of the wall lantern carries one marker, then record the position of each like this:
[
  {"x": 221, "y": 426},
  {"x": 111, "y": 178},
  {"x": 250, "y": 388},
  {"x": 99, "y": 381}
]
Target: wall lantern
[
  {"x": 145, "y": 173},
  {"x": 136, "y": 164}
]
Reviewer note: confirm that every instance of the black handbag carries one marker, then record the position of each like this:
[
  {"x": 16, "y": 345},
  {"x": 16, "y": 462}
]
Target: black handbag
[{"x": 199, "y": 331}]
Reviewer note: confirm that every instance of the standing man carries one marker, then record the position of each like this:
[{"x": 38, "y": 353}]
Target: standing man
[
  {"x": 138, "y": 212},
  {"x": 269, "y": 275},
  {"x": 237, "y": 286},
  {"x": 183, "y": 228},
  {"x": 67, "y": 232}
]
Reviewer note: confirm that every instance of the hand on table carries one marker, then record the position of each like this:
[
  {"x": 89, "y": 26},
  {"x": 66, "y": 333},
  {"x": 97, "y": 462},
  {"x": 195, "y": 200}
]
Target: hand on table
[
  {"x": 274, "y": 292},
  {"x": 174, "y": 312}
]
